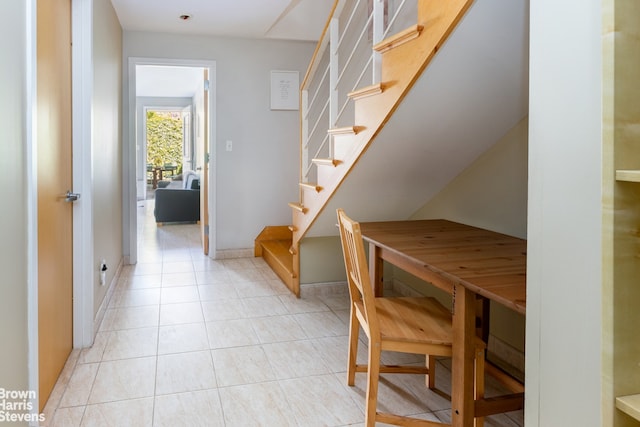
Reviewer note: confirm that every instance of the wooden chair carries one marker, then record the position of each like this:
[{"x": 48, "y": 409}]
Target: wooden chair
[{"x": 418, "y": 325}]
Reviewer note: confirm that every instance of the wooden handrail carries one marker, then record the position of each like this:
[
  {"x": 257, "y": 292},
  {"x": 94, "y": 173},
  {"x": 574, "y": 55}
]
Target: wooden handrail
[
  {"x": 317, "y": 50},
  {"x": 305, "y": 81}
]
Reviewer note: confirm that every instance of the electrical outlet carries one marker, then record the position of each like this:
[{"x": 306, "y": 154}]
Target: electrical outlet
[
  {"x": 229, "y": 145},
  {"x": 103, "y": 272}
]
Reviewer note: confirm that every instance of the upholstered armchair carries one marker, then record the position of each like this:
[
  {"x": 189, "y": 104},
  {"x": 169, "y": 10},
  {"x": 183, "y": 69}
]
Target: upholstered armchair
[{"x": 180, "y": 204}]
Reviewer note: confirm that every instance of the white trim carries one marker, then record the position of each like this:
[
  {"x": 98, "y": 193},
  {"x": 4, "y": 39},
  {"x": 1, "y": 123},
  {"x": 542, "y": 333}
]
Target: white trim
[
  {"x": 233, "y": 253},
  {"x": 32, "y": 196},
  {"x": 213, "y": 88},
  {"x": 323, "y": 289},
  {"x": 129, "y": 202},
  {"x": 129, "y": 176},
  {"x": 82, "y": 81}
]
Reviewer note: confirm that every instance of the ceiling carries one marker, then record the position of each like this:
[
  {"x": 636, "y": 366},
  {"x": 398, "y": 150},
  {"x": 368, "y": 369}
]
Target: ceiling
[{"x": 259, "y": 19}]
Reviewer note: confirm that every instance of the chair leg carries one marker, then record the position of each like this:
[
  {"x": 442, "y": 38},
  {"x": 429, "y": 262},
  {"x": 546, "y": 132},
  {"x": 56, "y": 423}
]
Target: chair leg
[
  {"x": 373, "y": 375},
  {"x": 354, "y": 331},
  {"x": 479, "y": 383},
  {"x": 431, "y": 366}
]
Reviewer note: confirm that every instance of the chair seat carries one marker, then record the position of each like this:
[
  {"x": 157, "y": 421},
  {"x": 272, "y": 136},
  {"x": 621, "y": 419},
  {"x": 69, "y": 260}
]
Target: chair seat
[{"x": 414, "y": 320}]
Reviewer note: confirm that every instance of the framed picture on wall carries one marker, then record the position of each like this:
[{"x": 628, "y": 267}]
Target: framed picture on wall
[{"x": 285, "y": 90}]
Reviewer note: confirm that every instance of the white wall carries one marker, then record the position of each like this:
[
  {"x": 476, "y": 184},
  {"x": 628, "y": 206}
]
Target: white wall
[
  {"x": 492, "y": 192},
  {"x": 107, "y": 143},
  {"x": 13, "y": 226},
  {"x": 255, "y": 181},
  {"x": 564, "y": 289}
]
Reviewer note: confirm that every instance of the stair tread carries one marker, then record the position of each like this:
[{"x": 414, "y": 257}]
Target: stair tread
[
  {"x": 328, "y": 162},
  {"x": 366, "y": 91},
  {"x": 277, "y": 246},
  {"x": 298, "y": 206},
  {"x": 399, "y": 38},
  {"x": 311, "y": 185},
  {"x": 343, "y": 130},
  {"x": 278, "y": 251}
]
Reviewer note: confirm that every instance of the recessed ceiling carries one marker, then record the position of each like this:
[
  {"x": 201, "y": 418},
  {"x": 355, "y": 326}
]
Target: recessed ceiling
[{"x": 262, "y": 19}]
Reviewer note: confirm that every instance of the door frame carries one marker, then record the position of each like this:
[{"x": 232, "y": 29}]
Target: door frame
[
  {"x": 32, "y": 197},
  {"x": 83, "y": 272},
  {"x": 129, "y": 205}
]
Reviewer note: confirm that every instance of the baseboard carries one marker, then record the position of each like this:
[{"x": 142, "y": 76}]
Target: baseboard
[
  {"x": 313, "y": 290},
  {"x": 329, "y": 288},
  {"x": 234, "y": 253},
  {"x": 97, "y": 321},
  {"x": 506, "y": 357}
]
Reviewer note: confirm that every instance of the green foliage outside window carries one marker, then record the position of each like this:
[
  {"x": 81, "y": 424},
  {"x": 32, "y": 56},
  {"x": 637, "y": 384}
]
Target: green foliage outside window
[{"x": 164, "y": 138}]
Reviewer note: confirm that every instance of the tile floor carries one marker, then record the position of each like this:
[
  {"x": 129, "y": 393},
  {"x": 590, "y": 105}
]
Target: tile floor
[{"x": 191, "y": 341}]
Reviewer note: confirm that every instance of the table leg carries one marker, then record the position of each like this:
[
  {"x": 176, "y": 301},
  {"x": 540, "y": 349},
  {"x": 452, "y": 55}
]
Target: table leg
[
  {"x": 464, "y": 335},
  {"x": 376, "y": 267},
  {"x": 157, "y": 176}
]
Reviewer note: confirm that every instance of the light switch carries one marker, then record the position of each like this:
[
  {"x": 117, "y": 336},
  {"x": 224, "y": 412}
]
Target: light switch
[{"x": 229, "y": 145}]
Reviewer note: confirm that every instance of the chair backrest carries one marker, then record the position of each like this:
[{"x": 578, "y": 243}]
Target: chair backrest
[{"x": 358, "y": 279}]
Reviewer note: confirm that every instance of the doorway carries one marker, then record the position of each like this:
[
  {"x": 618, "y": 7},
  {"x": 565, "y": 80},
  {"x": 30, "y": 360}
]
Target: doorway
[
  {"x": 167, "y": 148},
  {"x": 170, "y": 85}
]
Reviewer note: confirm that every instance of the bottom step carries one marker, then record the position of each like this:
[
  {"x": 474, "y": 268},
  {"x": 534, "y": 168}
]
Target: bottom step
[{"x": 276, "y": 254}]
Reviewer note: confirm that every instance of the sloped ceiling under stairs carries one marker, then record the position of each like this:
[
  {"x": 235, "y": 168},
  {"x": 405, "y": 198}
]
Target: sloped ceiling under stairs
[{"x": 473, "y": 92}]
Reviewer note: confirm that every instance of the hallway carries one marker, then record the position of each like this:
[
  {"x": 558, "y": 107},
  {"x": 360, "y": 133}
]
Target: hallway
[{"x": 191, "y": 341}]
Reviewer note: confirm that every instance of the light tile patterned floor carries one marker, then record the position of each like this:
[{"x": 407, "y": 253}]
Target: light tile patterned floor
[{"x": 191, "y": 341}]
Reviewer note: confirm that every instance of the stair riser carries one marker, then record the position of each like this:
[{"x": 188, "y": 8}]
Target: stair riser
[
  {"x": 324, "y": 175},
  {"x": 342, "y": 145}
]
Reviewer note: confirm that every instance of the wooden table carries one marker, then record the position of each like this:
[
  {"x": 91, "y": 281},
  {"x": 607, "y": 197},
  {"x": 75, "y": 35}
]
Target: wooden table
[{"x": 464, "y": 261}]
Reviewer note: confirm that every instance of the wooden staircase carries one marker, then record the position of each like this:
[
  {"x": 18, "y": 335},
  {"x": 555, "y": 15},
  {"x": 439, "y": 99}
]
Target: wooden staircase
[{"x": 404, "y": 58}]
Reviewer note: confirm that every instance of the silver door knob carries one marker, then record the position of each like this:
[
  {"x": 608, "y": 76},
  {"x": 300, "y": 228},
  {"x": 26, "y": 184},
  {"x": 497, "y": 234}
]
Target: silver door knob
[{"x": 71, "y": 197}]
